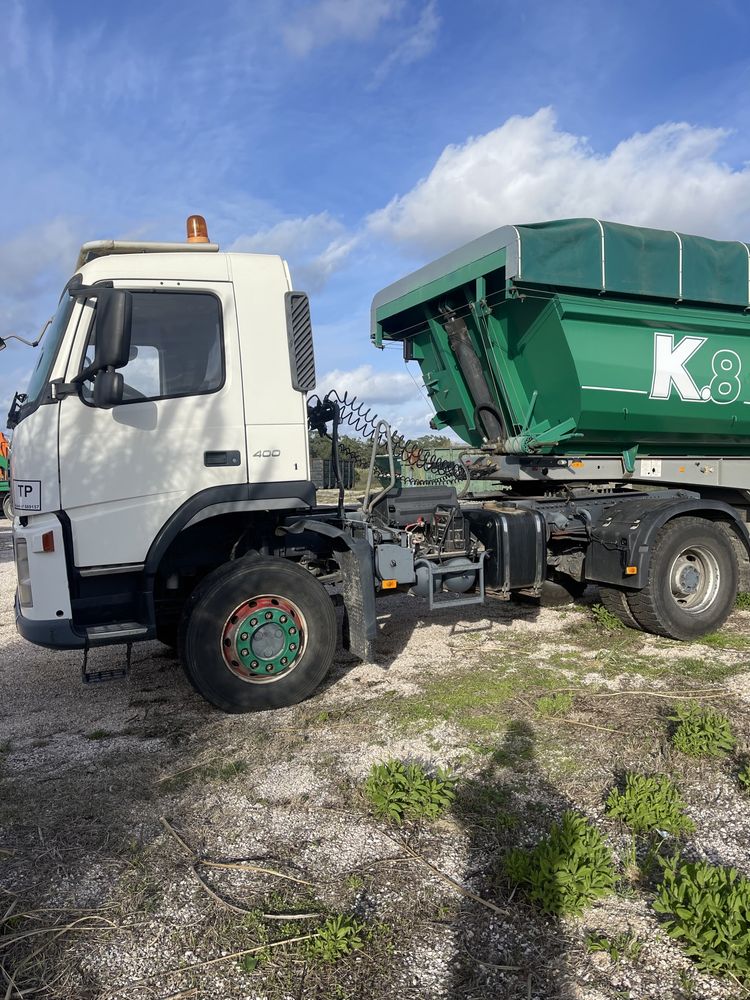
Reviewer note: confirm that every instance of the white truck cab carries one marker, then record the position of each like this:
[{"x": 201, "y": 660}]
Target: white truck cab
[{"x": 204, "y": 418}]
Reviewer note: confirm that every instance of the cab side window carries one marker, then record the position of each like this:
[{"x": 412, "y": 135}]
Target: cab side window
[{"x": 176, "y": 347}]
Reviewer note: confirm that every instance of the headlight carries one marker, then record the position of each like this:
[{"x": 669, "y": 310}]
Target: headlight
[{"x": 25, "y": 598}]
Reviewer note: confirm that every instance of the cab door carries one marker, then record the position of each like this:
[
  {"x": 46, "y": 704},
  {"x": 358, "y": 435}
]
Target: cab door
[{"x": 178, "y": 431}]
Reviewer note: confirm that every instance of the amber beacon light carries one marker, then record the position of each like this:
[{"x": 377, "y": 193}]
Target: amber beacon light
[{"x": 197, "y": 230}]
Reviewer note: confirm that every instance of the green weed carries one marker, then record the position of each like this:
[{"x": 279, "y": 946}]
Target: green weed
[
  {"x": 398, "y": 791},
  {"x": 707, "y": 909},
  {"x": 605, "y": 619},
  {"x": 338, "y": 937},
  {"x": 230, "y": 769},
  {"x": 743, "y": 774},
  {"x": 554, "y": 704},
  {"x": 623, "y": 945},
  {"x": 723, "y": 640},
  {"x": 649, "y": 803},
  {"x": 743, "y": 602},
  {"x": 701, "y": 732},
  {"x": 567, "y": 870}
]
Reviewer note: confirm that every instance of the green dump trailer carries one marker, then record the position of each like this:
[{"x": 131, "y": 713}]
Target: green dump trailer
[
  {"x": 603, "y": 371},
  {"x": 586, "y": 350}
]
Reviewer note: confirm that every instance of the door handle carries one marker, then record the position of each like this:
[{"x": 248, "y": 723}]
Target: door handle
[{"x": 214, "y": 458}]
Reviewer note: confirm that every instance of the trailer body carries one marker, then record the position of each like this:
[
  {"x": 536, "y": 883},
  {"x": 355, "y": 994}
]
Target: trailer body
[
  {"x": 592, "y": 339},
  {"x": 162, "y": 484}
]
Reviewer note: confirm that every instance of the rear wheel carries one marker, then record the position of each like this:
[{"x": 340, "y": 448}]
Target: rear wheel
[
  {"x": 257, "y": 634},
  {"x": 8, "y": 507},
  {"x": 616, "y": 602},
  {"x": 692, "y": 581}
]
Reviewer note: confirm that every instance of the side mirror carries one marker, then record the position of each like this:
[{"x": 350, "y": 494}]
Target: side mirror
[
  {"x": 108, "y": 389},
  {"x": 114, "y": 314}
]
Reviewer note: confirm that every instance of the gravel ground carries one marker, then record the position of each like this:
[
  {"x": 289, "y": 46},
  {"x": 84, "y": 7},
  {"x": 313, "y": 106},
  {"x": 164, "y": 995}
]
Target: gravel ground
[{"x": 118, "y": 903}]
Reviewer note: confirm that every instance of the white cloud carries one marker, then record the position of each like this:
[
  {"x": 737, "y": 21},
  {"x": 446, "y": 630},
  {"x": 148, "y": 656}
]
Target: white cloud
[
  {"x": 415, "y": 43},
  {"x": 529, "y": 170},
  {"x": 315, "y": 245},
  {"x": 319, "y": 24}
]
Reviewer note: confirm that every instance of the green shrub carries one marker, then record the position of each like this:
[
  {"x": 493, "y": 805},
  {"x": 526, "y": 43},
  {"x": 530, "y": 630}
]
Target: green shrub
[
  {"x": 648, "y": 803},
  {"x": 743, "y": 774},
  {"x": 567, "y": 870},
  {"x": 701, "y": 732},
  {"x": 743, "y": 602},
  {"x": 398, "y": 791},
  {"x": 554, "y": 704},
  {"x": 338, "y": 937},
  {"x": 707, "y": 909}
]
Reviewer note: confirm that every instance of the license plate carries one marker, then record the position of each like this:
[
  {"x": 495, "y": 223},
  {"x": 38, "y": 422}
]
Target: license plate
[{"x": 27, "y": 494}]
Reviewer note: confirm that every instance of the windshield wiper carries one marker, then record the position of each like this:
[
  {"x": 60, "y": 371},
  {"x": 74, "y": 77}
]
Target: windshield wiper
[{"x": 14, "y": 413}]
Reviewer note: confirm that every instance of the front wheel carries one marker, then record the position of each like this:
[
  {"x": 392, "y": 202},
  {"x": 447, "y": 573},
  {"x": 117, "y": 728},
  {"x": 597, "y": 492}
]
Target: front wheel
[
  {"x": 257, "y": 634},
  {"x": 692, "y": 581}
]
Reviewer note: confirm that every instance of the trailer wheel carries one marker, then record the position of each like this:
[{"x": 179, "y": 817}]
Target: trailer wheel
[
  {"x": 257, "y": 634},
  {"x": 692, "y": 581},
  {"x": 616, "y": 602}
]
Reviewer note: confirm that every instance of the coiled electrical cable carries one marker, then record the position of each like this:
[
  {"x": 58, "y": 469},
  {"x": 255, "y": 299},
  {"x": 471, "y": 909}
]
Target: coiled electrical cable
[{"x": 347, "y": 408}]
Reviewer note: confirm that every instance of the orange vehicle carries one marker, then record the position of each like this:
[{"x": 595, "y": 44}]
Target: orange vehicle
[{"x": 4, "y": 468}]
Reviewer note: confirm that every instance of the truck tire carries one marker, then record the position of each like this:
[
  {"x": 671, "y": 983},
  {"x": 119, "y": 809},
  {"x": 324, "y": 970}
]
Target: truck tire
[
  {"x": 616, "y": 602},
  {"x": 692, "y": 580},
  {"x": 257, "y": 634},
  {"x": 8, "y": 507}
]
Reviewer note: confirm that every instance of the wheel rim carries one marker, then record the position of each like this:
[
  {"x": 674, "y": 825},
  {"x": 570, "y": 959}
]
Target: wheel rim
[
  {"x": 264, "y": 638},
  {"x": 695, "y": 579}
]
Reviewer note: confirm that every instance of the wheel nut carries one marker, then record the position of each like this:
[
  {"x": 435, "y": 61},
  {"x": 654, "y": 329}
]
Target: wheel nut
[
  {"x": 284, "y": 661},
  {"x": 292, "y": 631},
  {"x": 243, "y": 652},
  {"x": 243, "y": 636},
  {"x": 269, "y": 668},
  {"x": 253, "y": 622},
  {"x": 283, "y": 619},
  {"x": 254, "y": 665},
  {"x": 292, "y": 647},
  {"x": 268, "y": 615}
]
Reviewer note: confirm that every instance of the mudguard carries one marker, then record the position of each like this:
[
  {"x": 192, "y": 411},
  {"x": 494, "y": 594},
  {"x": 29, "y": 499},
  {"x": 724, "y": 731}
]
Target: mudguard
[
  {"x": 626, "y": 533},
  {"x": 354, "y": 556}
]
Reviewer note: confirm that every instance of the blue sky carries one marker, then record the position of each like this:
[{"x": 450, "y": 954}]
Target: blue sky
[{"x": 360, "y": 138}]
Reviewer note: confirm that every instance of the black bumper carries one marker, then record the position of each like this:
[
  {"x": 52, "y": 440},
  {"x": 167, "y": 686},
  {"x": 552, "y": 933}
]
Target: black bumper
[{"x": 55, "y": 634}]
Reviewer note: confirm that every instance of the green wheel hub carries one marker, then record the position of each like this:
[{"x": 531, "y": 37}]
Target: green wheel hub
[{"x": 264, "y": 638}]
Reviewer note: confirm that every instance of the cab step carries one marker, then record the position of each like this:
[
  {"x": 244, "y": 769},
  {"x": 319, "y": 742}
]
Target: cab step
[{"x": 106, "y": 635}]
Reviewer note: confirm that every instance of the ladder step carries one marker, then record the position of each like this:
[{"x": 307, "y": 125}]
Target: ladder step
[{"x": 110, "y": 674}]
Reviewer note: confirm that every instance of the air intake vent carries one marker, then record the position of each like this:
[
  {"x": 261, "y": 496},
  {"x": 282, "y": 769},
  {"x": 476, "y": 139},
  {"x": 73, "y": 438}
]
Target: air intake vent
[{"x": 299, "y": 332}]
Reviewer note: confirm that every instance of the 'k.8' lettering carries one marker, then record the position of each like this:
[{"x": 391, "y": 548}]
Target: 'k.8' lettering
[{"x": 670, "y": 372}]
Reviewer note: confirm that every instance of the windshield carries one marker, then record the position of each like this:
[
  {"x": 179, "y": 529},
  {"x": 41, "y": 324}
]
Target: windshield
[{"x": 48, "y": 350}]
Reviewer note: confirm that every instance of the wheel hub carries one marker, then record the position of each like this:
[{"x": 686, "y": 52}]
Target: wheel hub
[
  {"x": 695, "y": 579},
  {"x": 263, "y": 638}
]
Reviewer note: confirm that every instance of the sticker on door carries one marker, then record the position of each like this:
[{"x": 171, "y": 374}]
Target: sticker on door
[{"x": 27, "y": 494}]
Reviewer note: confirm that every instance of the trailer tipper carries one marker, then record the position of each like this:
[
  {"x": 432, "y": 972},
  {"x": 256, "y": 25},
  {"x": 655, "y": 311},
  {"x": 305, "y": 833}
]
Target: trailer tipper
[
  {"x": 582, "y": 337},
  {"x": 588, "y": 365}
]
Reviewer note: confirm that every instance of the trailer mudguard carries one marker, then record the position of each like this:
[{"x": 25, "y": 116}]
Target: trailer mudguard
[
  {"x": 354, "y": 556},
  {"x": 625, "y": 535}
]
